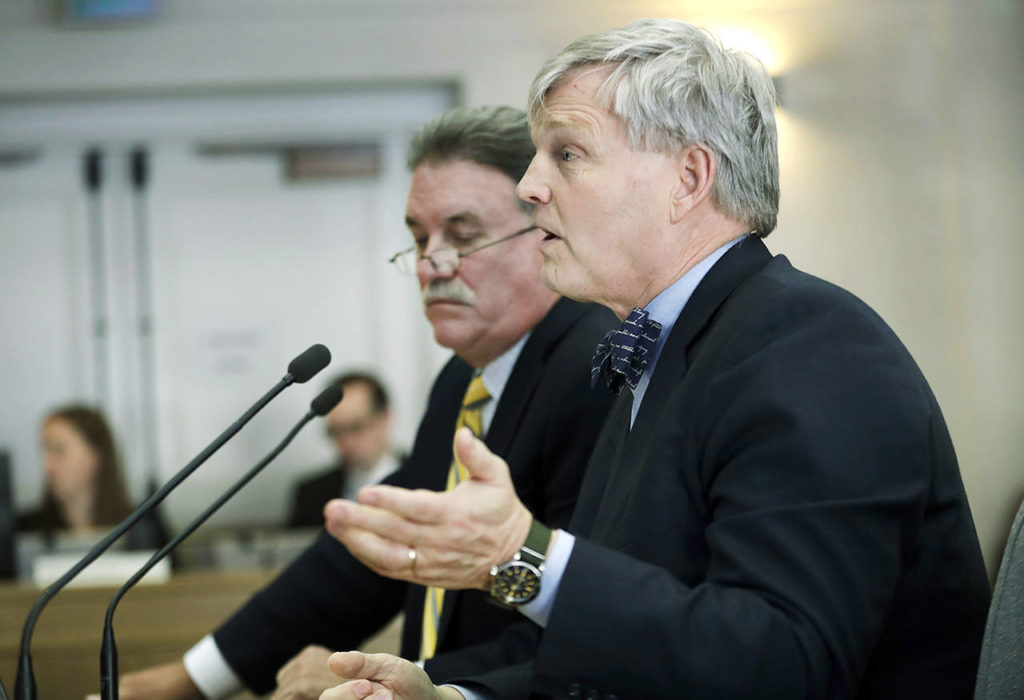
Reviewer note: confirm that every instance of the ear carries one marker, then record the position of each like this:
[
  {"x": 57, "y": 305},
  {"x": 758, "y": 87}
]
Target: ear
[{"x": 696, "y": 170}]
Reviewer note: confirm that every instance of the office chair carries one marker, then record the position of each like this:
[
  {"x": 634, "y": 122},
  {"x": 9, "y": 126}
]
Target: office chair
[{"x": 1001, "y": 670}]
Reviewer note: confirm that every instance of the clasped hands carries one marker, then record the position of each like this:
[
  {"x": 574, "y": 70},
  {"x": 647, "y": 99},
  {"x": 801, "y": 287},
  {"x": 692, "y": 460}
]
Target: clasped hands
[{"x": 448, "y": 539}]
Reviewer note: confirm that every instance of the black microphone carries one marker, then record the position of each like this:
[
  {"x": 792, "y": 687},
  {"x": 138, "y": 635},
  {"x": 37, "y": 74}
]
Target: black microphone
[
  {"x": 300, "y": 370},
  {"x": 320, "y": 406}
]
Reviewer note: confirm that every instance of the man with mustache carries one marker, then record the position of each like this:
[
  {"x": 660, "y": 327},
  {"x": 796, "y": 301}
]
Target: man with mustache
[
  {"x": 773, "y": 508},
  {"x": 520, "y": 379}
]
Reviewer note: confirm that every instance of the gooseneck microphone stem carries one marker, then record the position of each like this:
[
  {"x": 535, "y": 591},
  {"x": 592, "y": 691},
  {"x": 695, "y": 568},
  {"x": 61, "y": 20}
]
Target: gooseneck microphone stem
[
  {"x": 108, "y": 651},
  {"x": 25, "y": 686}
]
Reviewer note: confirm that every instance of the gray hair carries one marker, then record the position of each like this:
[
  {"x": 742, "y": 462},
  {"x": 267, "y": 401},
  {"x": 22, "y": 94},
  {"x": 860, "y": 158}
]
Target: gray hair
[
  {"x": 675, "y": 85},
  {"x": 498, "y": 137}
]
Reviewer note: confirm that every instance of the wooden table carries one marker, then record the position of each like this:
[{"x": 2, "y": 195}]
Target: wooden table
[{"x": 154, "y": 624}]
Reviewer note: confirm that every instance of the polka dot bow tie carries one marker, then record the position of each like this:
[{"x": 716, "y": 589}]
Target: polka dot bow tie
[{"x": 623, "y": 354}]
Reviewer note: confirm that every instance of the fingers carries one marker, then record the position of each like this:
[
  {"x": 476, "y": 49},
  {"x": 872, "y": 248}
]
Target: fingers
[
  {"x": 384, "y": 556},
  {"x": 430, "y": 507},
  {"x": 390, "y": 512},
  {"x": 357, "y": 690},
  {"x": 381, "y": 668},
  {"x": 419, "y": 506},
  {"x": 380, "y": 676},
  {"x": 348, "y": 664}
]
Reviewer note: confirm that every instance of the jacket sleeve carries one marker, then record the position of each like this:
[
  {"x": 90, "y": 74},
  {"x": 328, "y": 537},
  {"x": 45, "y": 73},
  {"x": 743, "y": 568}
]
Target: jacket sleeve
[{"x": 324, "y": 597}]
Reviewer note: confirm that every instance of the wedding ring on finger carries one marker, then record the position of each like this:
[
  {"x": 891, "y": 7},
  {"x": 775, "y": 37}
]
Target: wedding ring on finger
[{"x": 412, "y": 559}]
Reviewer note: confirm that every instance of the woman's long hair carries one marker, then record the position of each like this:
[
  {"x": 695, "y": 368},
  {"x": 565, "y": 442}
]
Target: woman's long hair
[{"x": 111, "y": 504}]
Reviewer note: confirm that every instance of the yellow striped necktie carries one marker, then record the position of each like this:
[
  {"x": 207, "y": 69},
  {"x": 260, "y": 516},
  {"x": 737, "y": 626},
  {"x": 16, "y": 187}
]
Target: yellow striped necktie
[{"x": 471, "y": 415}]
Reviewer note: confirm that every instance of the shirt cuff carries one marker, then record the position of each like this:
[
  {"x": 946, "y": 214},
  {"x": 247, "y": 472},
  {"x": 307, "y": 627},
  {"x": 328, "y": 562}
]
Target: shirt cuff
[
  {"x": 539, "y": 609},
  {"x": 210, "y": 672},
  {"x": 469, "y": 694}
]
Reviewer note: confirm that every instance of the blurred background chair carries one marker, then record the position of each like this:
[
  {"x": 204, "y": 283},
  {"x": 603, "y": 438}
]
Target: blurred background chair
[{"x": 1001, "y": 671}]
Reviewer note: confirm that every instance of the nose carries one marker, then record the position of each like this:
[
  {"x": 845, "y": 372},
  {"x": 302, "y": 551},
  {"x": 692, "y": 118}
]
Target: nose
[
  {"x": 426, "y": 270},
  {"x": 532, "y": 188}
]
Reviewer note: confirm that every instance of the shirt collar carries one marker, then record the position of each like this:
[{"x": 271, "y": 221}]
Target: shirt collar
[
  {"x": 496, "y": 373},
  {"x": 668, "y": 305},
  {"x": 666, "y": 309}
]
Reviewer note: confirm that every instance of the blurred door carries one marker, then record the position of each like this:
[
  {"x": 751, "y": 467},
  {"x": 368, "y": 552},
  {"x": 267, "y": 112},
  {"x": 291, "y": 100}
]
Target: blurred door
[
  {"x": 175, "y": 291},
  {"x": 47, "y": 328}
]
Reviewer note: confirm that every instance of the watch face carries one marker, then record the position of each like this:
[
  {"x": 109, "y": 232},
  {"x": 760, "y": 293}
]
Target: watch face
[{"x": 516, "y": 583}]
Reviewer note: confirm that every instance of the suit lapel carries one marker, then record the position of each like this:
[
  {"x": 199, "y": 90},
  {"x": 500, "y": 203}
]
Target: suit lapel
[
  {"x": 739, "y": 263},
  {"x": 607, "y": 451},
  {"x": 617, "y": 453},
  {"x": 526, "y": 373}
]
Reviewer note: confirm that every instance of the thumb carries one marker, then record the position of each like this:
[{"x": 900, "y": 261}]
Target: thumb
[
  {"x": 482, "y": 464},
  {"x": 357, "y": 665},
  {"x": 347, "y": 664}
]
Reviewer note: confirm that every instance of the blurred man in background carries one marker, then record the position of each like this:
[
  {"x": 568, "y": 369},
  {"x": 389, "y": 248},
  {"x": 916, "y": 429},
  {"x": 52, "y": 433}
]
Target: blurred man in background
[{"x": 360, "y": 429}]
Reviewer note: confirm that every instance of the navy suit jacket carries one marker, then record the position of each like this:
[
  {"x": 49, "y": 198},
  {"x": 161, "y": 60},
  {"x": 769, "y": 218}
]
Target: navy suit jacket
[
  {"x": 785, "y": 519},
  {"x": 544, "y": 426},
  {"x": 312, "y": 493}
]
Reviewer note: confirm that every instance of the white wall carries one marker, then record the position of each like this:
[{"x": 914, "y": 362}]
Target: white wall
[{"x": 902, "y": 148}]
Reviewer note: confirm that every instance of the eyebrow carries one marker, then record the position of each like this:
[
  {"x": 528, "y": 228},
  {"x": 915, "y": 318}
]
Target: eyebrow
[
  {"x": 560, "y": 127},
  {"x": 462, "y": 217},
  {"x": 560, "y": 123}
]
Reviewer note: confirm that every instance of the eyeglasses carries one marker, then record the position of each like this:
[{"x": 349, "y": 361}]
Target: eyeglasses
[
  {"x": 446, "y": 259},
  {"x": 337, "y": 430}
]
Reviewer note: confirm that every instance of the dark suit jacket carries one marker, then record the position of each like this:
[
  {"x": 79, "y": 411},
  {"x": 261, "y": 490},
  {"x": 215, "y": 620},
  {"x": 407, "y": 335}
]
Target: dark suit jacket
[
  {"x": 544, "y": 426},
  {"x": 785, "y": 519},
  {"x": 311, "y": 494}
]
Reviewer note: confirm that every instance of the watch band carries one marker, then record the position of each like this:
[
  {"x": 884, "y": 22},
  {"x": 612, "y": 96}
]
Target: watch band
[{"x": 535, "y": 549}]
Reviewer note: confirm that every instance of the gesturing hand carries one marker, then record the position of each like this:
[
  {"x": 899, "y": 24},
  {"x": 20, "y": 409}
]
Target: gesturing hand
[{"x": 448, "y": 539}]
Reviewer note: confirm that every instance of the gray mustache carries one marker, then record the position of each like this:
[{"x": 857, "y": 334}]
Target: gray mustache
[{"x": 448, "y": 290}]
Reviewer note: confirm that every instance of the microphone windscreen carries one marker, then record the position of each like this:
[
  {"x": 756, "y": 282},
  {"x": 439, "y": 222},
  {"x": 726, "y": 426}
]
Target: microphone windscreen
[
  {"x": 325, "y": 402},
  {"x": 305, "y": 366}
]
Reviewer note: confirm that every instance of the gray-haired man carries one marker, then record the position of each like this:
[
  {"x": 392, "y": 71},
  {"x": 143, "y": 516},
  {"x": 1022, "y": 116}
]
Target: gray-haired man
[{"x": 774, "y": 508}]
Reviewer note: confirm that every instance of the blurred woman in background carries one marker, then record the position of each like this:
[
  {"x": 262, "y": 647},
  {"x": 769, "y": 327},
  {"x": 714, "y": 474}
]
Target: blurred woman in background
[{"x": 84, "y": 486}]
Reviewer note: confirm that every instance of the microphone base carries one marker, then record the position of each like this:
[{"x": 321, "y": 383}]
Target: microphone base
[
  {"x": 25, "y": 685},
  {"x": 108, "y": 665}
]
